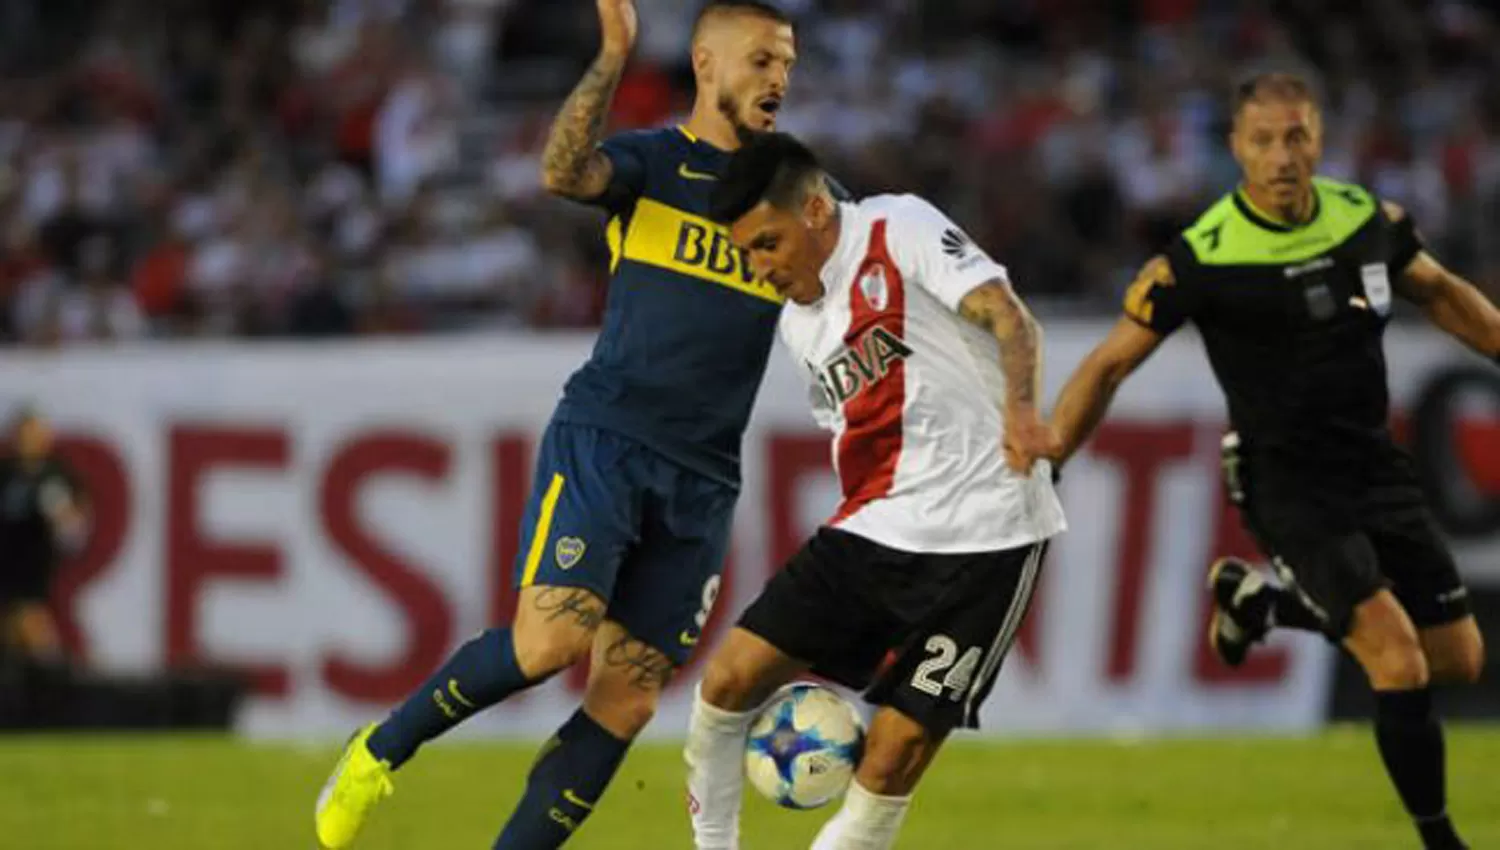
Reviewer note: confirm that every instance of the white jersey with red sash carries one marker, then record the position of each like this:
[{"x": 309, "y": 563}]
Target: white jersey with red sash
[{"x": 912, "y": 392}]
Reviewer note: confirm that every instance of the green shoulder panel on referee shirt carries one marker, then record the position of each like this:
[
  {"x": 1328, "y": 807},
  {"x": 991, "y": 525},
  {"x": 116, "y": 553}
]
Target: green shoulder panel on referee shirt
[{"x": 1230, "y": 233}]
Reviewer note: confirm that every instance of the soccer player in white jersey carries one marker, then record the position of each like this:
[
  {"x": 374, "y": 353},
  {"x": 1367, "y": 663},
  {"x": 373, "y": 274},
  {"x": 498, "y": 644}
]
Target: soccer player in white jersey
[{"x": 924, "y": 365}]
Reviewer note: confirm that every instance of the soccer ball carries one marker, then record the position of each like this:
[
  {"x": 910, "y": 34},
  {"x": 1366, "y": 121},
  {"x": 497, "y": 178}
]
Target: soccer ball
[{"x": 804, "y": 746}]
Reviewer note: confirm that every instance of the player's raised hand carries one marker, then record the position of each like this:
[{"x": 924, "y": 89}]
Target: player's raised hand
[
  {"x": 618, "y": 25},
  {"x": 1028, "y": 439}
]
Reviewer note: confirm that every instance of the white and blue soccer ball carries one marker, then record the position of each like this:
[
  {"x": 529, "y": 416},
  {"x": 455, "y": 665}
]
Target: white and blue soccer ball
[{"x": 804, "y": 746}]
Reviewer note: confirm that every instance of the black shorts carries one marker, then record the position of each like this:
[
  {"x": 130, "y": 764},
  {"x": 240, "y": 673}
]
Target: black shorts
[
  {"x": 1339, "y": 541},
  {"x": 24, "y": 579},
  {"x": 944, "y": 623}
]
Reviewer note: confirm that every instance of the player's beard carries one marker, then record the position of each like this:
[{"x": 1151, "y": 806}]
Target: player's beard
[{"x": 732, "y": 113}]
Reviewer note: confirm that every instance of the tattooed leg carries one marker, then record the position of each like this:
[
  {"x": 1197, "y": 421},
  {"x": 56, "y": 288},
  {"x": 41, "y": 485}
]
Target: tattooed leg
[
  {"x": 572, "y": 604},
  {"x": 626, "y": 678},
  {"x": 555, "y": 627},
  {"x": 637, "y": 664}
]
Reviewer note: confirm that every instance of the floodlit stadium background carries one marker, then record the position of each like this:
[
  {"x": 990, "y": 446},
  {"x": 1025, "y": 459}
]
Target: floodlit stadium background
[{"x": 284, "y": 277}]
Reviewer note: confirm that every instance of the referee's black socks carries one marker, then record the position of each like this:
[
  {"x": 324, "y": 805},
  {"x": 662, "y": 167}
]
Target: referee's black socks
[{"x": 1411, "y": 745}]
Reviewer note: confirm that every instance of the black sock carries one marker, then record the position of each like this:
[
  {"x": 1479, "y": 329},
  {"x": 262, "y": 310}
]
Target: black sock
[
  {"x": 481, "y": 673},
  {"x": 1411, "y": 745},
  {"x": 565, "y": 785},
  {"x": 1290, "y": 610}
]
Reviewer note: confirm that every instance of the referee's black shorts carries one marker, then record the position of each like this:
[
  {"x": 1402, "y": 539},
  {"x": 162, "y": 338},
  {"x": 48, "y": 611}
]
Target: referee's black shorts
[
  {"x": 925, "y": 634},
  {"x": 1340, "y": 541}
]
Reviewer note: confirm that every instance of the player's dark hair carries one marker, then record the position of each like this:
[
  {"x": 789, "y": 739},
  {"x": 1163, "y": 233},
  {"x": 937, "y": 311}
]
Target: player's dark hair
[
  {"x": 770, "y": 167},
  {"x": 752, "y": 7},
  {"x": 1273, "y": 85}
]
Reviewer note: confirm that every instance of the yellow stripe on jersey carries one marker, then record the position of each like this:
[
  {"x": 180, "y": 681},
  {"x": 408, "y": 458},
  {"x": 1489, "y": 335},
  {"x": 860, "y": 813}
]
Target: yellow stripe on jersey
[
  {"x": 543, "y": 529},
  {"x": 668, "y": 238},
  {"x": 614, "y": 236}
]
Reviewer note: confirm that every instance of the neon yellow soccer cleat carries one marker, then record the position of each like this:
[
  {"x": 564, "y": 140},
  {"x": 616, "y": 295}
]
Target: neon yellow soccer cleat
[{"x": 358, "y": 782}]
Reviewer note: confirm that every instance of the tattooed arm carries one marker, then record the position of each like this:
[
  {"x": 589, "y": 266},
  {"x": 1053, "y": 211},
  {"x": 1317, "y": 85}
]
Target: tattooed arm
[
  {"x": 572, "y": 164},
  {"x": 936, "y": 254},
  {"x": 994, "y": 306}
]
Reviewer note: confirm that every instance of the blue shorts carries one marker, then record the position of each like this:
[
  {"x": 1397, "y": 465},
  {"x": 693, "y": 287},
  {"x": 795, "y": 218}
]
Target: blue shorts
[{"x": 646, "y": 534}]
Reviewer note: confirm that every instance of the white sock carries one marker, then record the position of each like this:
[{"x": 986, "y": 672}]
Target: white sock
[
  {"x": 866, "y": 822},
  {"x": 715, "y": 756}
]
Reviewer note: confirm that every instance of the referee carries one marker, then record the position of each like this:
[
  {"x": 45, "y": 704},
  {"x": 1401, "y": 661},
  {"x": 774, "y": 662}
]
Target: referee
[
  {"x": 1290, "y": 280},
  {"x": 41, "y": 515}
]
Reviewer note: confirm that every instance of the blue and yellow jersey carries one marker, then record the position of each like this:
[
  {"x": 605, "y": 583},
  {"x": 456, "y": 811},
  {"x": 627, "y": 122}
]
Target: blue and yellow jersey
[{"x": 687, "y": 329}]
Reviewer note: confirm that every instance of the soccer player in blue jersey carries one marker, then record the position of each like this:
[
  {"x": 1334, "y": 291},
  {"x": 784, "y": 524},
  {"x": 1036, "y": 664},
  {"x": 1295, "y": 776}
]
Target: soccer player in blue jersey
[{"x": 638, "y": 472}]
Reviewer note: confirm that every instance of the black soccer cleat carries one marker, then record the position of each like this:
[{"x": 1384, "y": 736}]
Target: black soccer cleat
[{"x": 1242, "y": 609}]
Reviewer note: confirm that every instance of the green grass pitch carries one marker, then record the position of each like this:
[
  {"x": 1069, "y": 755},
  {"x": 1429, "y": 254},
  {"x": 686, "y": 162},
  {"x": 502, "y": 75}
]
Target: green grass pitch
[{"x": 1325, "y": 792}]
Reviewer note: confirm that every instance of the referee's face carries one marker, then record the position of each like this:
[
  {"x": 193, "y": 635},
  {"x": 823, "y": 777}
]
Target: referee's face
[{"x": 1278, "y": 144}]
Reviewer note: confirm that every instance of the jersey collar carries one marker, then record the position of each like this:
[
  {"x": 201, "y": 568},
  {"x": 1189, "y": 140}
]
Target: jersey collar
[
  {"x": 1256, "y": 217},
  {"x": 846, "y": 250},
  {"x": 699, "y": 144}
]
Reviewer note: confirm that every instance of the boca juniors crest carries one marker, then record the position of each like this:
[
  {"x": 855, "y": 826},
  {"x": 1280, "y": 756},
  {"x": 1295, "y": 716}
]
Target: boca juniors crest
[{"x": 569, "y": 551}]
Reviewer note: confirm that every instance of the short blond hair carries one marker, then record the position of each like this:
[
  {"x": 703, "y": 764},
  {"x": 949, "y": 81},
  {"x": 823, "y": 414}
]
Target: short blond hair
[
  {"x": 716, "y": 9},
  {"x": 1274, "y": 86}
]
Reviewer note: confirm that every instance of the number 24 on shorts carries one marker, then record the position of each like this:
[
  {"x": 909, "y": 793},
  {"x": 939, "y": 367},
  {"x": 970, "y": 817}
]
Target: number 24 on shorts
[{"x": 959, "y": 676}]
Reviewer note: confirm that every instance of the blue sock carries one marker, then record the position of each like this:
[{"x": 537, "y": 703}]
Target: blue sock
[
  {"x": 481, "y": 673},
  {"x": 565, "y": 785}
]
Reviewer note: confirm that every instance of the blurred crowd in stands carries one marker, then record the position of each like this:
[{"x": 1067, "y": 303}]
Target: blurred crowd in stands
[{"x": 267, "y": 168}]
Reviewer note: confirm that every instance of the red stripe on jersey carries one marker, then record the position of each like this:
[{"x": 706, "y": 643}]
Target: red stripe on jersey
[{"x": 870, "y": 446}]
